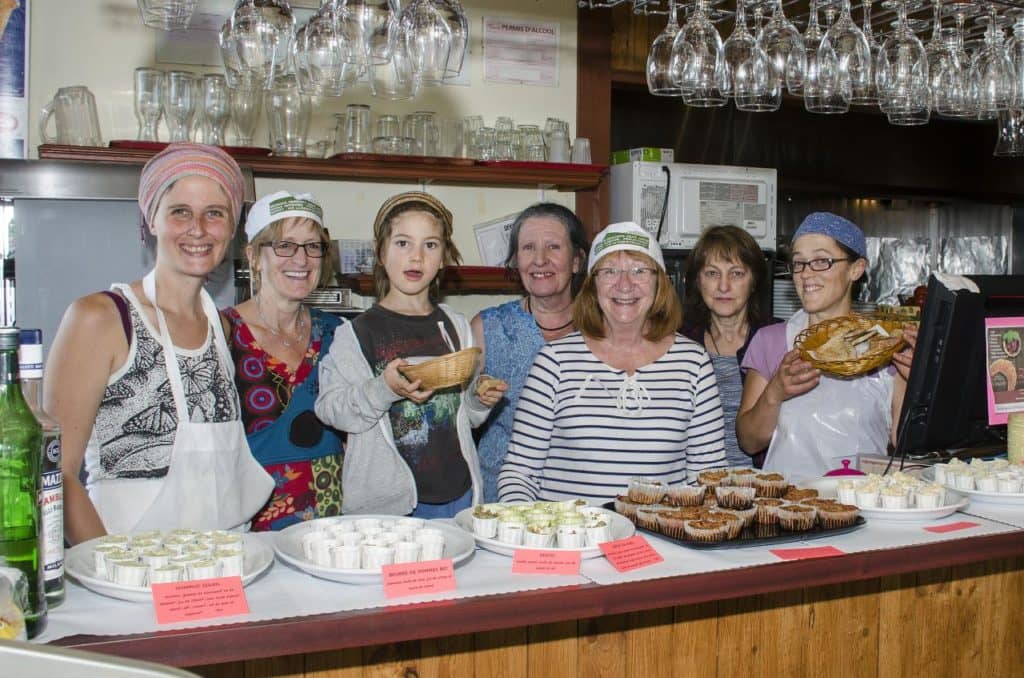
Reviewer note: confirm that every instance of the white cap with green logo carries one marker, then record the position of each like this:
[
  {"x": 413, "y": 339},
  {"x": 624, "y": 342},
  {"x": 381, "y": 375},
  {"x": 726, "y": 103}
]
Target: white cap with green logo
[
  {"x": 624, "y": 236},
  {"x": 281, "y": 205}
]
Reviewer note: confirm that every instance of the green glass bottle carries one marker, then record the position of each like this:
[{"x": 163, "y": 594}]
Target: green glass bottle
[{"x": 20, "y": 482}]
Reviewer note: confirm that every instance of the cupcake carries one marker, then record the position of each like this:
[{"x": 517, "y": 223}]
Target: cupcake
[
  {"x": 799, "y": 494},
  {"x": 598, "y": 531},
  {"x": 485, "y": 523},
  {"x": 867, "y": 495},
  {"x": 712, "y": 478},
  {"x": 646, "y": 490},
  {"x": 770, "y": 484},
  {"x": 731, "y": 496},
  {"x": 706, "y": 530},
  {"x": 732, "y": 520},
  {"x": 670, "y": 523},
  {"x": 742, "y": 477},
  {"x": 538, "y": 535},
  {"x": 647, "y": 518},
  {"x": 626, "y": 507},
  {"x": 686, "y": 495},
  {"x": 894, "y": 497},
  {"x": 767, "y": 510},
  {"x": 748, "y": 515},
  {"x": 929, "y": 496},
  {"x": 571, "y": 536},
  {"x": 797, "y": 517},
  {"x": 835, "y": 515}
]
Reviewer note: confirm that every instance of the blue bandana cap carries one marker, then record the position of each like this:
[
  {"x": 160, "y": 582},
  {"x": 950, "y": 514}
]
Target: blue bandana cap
[{"x": 841, "y": 230}]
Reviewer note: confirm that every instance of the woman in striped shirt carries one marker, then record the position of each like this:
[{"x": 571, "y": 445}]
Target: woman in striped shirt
[{"x": 624, "y": 396}]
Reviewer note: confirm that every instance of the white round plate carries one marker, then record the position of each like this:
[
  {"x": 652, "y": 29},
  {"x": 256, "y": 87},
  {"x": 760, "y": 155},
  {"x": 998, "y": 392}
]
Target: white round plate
[
  {"x": 826, "y": 488},
  {"x": 1011, "y": 498},
  {"x": 79, "y": 563},
  {"x": 621, "y": 528},
  {"x": 288, "y": 547}
]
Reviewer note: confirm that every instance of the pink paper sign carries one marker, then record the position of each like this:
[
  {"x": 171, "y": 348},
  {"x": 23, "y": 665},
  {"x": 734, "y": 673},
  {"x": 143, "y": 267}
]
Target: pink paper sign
[
  {"x": 812, "y": 552},
  {"x": 952, "y": 527},
  {"x": 538, "y": 561},
  {"x": 630, "y": 554},
  {"x": 412, "y": 579},
  {"x": 200, "y": 599},
  {"x": 1004, "y": 357}
]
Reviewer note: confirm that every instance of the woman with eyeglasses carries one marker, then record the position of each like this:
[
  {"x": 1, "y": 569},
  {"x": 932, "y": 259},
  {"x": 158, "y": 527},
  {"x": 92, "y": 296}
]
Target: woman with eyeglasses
[
  {"x": 811, "y": 422},
  {"x": 139, "y": 377},
  {"x": 623, "y": 396},
  {"x": 277, "y": 343}
]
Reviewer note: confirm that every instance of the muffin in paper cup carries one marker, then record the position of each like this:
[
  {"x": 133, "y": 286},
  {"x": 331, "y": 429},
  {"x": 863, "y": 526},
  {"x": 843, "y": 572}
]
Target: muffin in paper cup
[
  {"x": 770, "y": 484},
  {"x": 539, "y": 536},
  {"x": 767, "y": 510},
  {"x": 705, "y": 530},
  {"x": 671, "y": 523},
  {"x": 764, "y": 530},
  {"x": 797, "y": 517},
  {"x": 686, "y": 495},
  {"x": 598, "y": 531},
  {"x": 625, "y": 506},
  {"x": 748, "y": 515},
  {"x": 733, "y": 521},
  {"x": 646, "y": 490},
  {"x": 485, "y": 523},
  {"x": 742, "y": 477},
  {"x": 836, "y": 515},
  {"x": 734, "y": 497},
  {"x": 647, "y": 518},
  {"x": 713, "y": 477},
  {"x": 795, "y": 494}
]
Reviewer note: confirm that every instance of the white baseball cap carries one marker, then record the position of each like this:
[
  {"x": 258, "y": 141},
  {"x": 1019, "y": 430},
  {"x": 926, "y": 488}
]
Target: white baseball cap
[
  {"x": 624, "y": 236},
  {"x": 281, "y": 205}
]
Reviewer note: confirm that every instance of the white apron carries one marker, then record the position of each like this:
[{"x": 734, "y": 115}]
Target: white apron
[
  {"x": 835, "y": 421},
  {"x": 212, "y": 482}
]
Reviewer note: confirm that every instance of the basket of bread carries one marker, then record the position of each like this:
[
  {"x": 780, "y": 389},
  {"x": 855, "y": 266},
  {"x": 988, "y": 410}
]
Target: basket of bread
[
  {"x": 452, "y": 369},
  {"x": 851, "y": 345}
]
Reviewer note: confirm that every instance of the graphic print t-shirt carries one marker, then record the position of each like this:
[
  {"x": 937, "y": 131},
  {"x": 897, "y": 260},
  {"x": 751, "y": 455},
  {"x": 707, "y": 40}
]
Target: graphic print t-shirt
[{"x": 426, "y": 434}]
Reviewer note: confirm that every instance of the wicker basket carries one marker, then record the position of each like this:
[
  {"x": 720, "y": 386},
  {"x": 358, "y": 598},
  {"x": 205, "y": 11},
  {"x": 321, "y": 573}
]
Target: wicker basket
[
  {"x": 816, "y": 335},
  {"x": 453, "y": 369}
]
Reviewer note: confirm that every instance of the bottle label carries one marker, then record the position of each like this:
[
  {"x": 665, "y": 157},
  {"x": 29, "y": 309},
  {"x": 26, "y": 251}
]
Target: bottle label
[{"x": 52, "y": 513}]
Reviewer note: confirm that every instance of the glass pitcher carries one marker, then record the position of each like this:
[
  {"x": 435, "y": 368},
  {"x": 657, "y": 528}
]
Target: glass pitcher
[{"x": 77, "y": 122}]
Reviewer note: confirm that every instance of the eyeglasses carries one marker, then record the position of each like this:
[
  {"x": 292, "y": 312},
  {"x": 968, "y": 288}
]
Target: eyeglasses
[
  {"x": 637, "y": 274},
  {"x": 287, "y": 248},
  {"x": 818, "y": 265}
]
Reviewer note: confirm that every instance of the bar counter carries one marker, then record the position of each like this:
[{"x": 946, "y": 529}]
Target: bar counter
[{"x": 950, "y": 607}]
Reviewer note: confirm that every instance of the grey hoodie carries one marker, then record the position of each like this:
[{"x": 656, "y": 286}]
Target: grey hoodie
[{"x": 375, "y": 478}]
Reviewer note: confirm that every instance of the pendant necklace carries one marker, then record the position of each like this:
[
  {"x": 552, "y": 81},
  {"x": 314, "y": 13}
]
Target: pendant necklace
[
  {"x": 537, "y": 323},
  {"x": 300, "y": 326}
]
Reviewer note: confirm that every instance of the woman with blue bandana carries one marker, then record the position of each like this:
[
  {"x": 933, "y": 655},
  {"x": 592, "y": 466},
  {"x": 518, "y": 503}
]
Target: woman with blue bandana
[{"x": 811, "y": 422}]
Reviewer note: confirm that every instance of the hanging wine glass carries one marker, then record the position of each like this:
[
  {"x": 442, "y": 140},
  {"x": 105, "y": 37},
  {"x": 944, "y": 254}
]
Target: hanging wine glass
[
  {"x": 1015, "y": 50},
  {"x": 319, "y": 51},
  {"x": 704, "y": 73},
  {"x": 901, "y": 74},
  {"x": 256, "y": 40},
  {"x": 755, "y": 87},
  {"x": 991, "y": 72},
  {"x": 659, "y": 59},
  {"x": 822, "y": 90},
  {"x": 737, "y": 48},
  {"x": 847, "y": 42},
  {"x": 370, "y": 28},
  {"x": 428, "y": 39},
  {"x": 785, "y": 48},
  {"x": 1010, "y": 140},
  {"x": 870, "y": 94},
  {"x": 455, "y": 15}
]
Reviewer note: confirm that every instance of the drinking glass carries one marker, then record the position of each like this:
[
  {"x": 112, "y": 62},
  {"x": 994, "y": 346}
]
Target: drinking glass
[
  {"x": 659, "y": 59},
  {"x": 395, "y": 80},
  {"x": 737, "y": 49},
  {"x": 288, "y": 114},
  {"x": 216, "y": 108},
  {"x": 1015, "y": 51},
  {"x": 388, "y": 126},
  {"x": 1010, "y": 141},
  {"x": 755, "y": 87},
  {"x": 451, "y": 138},
  {"x": 357, "y": 138},
  {"x": 822, "y": 86},
  {"x": 149, "y": 84},
  {"x": 581, "y": 151},
  {"x": 847, "y": 42},
  {"x": 470, "y": 125},
  {"x": 179, "y": 103},
  {"x": 901, "y": 74},
  {"x": 704, "y": 77},
  {"x": 422, "y": 126},
  {"x": 168, "y": 15},
  {"x": 319, "y": 51},
  {"x": 246, "y": 105},
  {"x": 558, "y": 146},
  {"x": 991, "y": 72},
  {"x": 485, "y": 139},
  {"x": 785, "y": 48},
  {"x": 370, "y": 28},
  {"x": 255, "y": 42},
  {"x": 428, "y": 37}
]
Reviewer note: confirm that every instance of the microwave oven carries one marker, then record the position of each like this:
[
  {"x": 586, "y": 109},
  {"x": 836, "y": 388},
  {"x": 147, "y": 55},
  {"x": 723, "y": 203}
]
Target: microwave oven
[{"x": 693, "y": 198}]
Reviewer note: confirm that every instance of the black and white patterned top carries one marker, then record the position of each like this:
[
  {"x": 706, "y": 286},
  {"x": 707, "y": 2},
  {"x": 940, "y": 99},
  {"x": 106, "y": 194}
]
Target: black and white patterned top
[{"x": 133, "y": 434}]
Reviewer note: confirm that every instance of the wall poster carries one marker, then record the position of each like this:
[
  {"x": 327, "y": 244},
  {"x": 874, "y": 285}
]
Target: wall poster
[
  {"x": 14, "y": 78},
  {"x": 1004, "y": 359},
  {"x": 520, "y": 52}
]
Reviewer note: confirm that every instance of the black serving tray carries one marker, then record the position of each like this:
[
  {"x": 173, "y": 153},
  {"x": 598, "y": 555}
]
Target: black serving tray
[{"x": 756, "y": 535}]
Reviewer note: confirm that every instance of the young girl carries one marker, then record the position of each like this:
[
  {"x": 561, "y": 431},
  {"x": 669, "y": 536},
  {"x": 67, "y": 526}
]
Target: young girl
[{"x": 409, "y": 450}]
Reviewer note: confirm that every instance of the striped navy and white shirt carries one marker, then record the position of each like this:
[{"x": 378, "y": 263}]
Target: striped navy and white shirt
[{"x": 578, "y": 430}]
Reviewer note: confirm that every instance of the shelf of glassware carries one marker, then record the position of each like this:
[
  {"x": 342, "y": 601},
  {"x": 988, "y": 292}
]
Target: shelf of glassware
[{"x": 373, "y": 167}]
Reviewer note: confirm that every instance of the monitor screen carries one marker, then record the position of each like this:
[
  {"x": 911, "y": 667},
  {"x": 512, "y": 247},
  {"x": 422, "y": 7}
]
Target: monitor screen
[{"x": 945, "y": 404}]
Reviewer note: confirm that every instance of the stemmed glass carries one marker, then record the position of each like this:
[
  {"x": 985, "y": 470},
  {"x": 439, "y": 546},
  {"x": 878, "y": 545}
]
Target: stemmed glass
[
  {"x": 847, "y": 42},
  {"x": 737, "y": 48},
  {"x": 901, "y": 74},
  {"x": 179, "y": 103},
  {"x": 395, "y": 80},
  {"x": 1010, "y": 126},
  {"x": 1015, "y": 50},
  {"x": 149, "y": 84},
  {"x": 319, "y": 51},
  {"x": 432, "y": 40},
  {"x": 755, "y": 87},
  {"x": 704, "y": 73},
  {"x": 785, "y": 49},
  {"x": 991, "y": 72},
  {"x": 821, "y": 87},
  {"x": 246, "y": 105},
  {"x": 216, "y": 108},
  {"x": 168, "y": 15},
  {"x": 255, "y": 41},
  {"x": 954, "y": 75},
  {"x": 659, "y": 59}
]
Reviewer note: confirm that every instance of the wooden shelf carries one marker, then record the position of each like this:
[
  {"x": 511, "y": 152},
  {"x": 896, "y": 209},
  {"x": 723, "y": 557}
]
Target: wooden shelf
[
  {"x": 457, "y": 280},
  {"x": 370, "y": 167}
]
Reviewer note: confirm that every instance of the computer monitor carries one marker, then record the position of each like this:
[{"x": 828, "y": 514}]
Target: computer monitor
[{"x": 944, "y": 408}]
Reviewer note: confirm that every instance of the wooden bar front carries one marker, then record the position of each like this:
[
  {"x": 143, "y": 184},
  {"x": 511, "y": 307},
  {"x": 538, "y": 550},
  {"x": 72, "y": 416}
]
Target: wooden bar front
[{"x": 946, "y": 609}]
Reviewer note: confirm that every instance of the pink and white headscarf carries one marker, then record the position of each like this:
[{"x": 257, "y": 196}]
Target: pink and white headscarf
[{"x": 187, "y": 159}]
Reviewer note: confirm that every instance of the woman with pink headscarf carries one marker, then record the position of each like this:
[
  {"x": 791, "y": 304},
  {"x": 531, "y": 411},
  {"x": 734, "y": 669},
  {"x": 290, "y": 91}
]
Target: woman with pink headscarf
[{"x": 140, "y": 378}]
